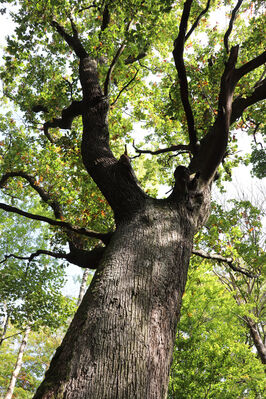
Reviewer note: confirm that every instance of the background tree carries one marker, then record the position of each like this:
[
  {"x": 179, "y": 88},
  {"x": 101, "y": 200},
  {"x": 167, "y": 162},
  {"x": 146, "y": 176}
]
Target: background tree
[
  {"x": 70, "y": 65},
  {"x": 223, "y": 310}
]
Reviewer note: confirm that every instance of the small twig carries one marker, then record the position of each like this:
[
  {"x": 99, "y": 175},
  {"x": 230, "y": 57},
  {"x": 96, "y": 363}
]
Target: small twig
[{"x": 124, "y": 88}]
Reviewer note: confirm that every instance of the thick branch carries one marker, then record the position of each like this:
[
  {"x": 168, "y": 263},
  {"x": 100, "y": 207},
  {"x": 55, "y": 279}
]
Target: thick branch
[
  {"x": 250, "y": 66},
  {"x": 219, "y": 258},
  {"x": 182, "y": 147},
  {"x": 105, "y": 237},
  {"x": 73, "y": 41},
  {"x": 181, "y": 70},
  {"x": 78, "y": 257},
  {"x": 214, "y": 144},
  {"x": 198, "y": 20},
  {"x": 32, "y": 181},
  {"x": 240, "y": 104},
  {"x": 230, "y": 27},
  {"x": 65, "y": 122}
]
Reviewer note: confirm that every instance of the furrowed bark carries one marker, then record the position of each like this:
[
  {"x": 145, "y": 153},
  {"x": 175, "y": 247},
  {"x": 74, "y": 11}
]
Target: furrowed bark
[
  {"x": 120, "y": 342},
  {"x": 115, "y": 178}
]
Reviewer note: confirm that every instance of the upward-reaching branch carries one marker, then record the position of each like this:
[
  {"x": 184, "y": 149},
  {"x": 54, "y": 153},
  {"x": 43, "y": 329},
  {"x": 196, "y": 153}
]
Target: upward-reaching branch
[
  {"x": 181, "y": 70},
  {"x": 191, "y": 30},
  {"x": 73, "y": 41},
  {"x": 230, "y": 27}
]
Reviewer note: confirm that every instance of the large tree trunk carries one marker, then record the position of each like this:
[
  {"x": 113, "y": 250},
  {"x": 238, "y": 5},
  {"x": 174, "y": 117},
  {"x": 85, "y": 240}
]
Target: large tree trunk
[{"x": 120, "y": 342}]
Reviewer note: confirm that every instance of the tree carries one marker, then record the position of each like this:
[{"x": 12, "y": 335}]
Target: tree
[
  {"x": 77, "y": 64},
  {"x": 223, "y": 309},
  {"x": 30, "y": 296}
]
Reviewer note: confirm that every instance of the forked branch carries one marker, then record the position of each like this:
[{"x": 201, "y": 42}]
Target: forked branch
[
  {"x": 240, "y": 104},
  {"x": 222, "y": 259},
  {"x": 73, "y": 41}
]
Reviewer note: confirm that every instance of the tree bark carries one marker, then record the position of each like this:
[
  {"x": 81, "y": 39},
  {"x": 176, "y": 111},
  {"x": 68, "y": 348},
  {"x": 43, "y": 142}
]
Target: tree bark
[
  {"x": 257, "y": 340},
  {"x": 83, "y": 284},
  {"x": 120, "y": 343},
  {"x": 18, "y": 365}
]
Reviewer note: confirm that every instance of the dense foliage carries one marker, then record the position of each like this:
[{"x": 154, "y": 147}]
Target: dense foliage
[{"x": 162, "y": 112}]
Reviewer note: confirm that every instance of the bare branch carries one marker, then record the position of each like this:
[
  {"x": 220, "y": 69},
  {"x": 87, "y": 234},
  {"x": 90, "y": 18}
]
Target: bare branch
[
  {"x": 182, "y": 147},
  {"x": 181, "y": 70},
  {"x": 105, "y": 237},
  {"x": 32, "y": 181},
  {"x": 124, "y": 88},
  {"x": 198, "y": 20},
  {"x": 230, "y": 27},
  {"x": 219, "y": 258}
]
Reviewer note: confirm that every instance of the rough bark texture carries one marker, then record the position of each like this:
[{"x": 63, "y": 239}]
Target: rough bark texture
[{"x": 120, "y": 342}]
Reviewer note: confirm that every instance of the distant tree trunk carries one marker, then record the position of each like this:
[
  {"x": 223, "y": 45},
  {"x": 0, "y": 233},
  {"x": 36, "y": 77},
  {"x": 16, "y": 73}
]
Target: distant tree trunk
[
  {"x": 120, "y": 343},
  {"x": 18, "y": 365},
  {"x": 6, "y": 321},
  {"x": 257, "y": 340},
  {"x": 83, "y": 285}
]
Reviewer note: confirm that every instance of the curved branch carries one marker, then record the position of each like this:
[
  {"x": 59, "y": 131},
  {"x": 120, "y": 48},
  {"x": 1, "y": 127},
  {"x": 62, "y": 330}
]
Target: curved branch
[
  {"x": 181, "y": 70},
  {"x": 113, "y": 63},
  {"x": 65, "y": 122},
  {"x": 230, "y": 27},
  {"x": 32, "y": 181},
  {"x": 250, "y": 66},
  {"x": 198, "y": 20},
  {"x": 219, "y": 258},
  {"x": 240, "y": 104},
  {"x": 105, "y": 237},
  {"x": 124, "y": 88},
  {"x": 78, "y": 257}
]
